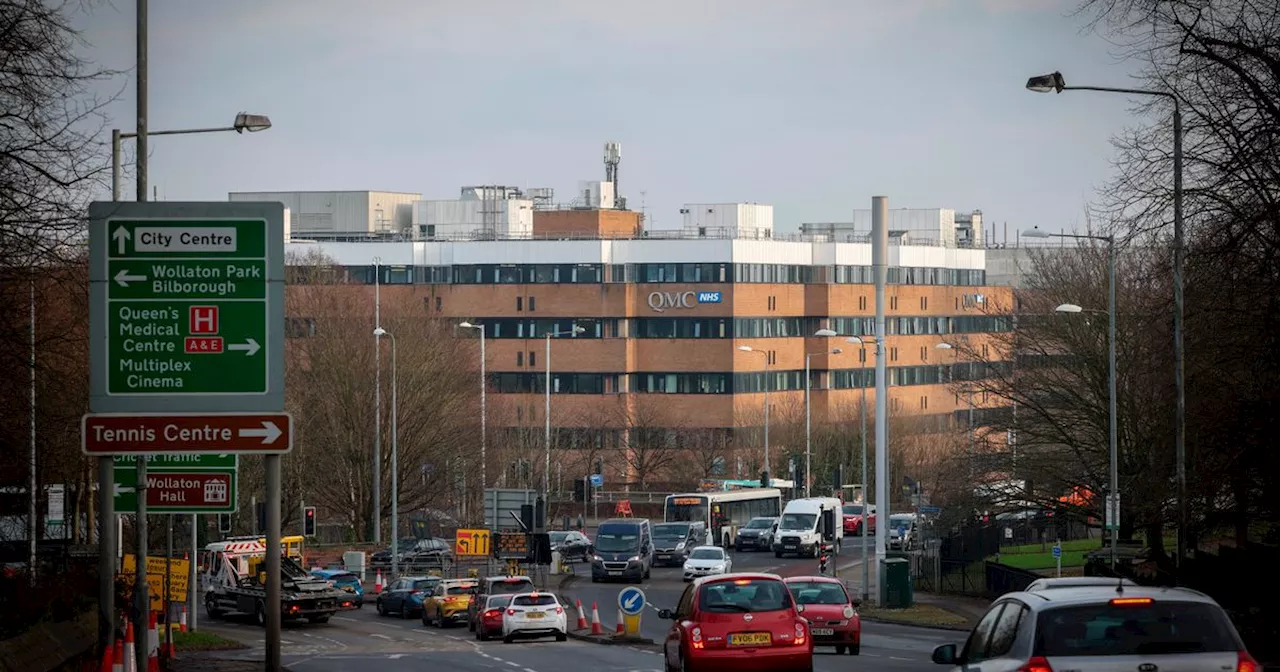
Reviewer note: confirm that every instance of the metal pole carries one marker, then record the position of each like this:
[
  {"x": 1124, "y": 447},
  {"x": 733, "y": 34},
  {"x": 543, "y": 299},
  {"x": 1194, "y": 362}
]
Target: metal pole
[
  {"x": 484, "y": 418},
  {"x": 866, "y": 511},
  {"x": 140, "y": 588},
  {"x": 768, "y": 469},
  {"x": 395, "y": 467},
  {"x": 168, "y": 579},
  {"x": 193, "y": 577},
  {"x": 33, "y": 527},
  {"x": 546, "y": 412},
  {"x": 141, "y": 128},
  {"x": 115, "y": 164},
  {"x": 807, "y": 424},
  {"x": 1111, "y": 391},
  {"x": 107, "y": 540},
  {"x": 274, "y": 572},
  {"x": 377, "y": 404},
  {"x": 879, "y": 264},
  {"x": 1179, "y": 362}
]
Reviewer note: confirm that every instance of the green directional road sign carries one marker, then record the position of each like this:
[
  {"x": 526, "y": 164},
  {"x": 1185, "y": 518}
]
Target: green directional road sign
[
  {"x": 197, "y": 480},
  {"x": 187, "y": 307}
]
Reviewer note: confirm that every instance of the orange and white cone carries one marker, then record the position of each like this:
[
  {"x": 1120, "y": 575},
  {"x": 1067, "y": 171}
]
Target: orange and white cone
[
  {"x": 621, "y": 630},
  {"x": 130, "y": 663},
  {"x": 117, "y": 657},
  {"x": 596, "y": 628},
  {"x": 182, "y": 620},
  {"x": 153, "y": 645},
  {"x": 377, "y": 583},
  {"x": 582, "y": 617}
]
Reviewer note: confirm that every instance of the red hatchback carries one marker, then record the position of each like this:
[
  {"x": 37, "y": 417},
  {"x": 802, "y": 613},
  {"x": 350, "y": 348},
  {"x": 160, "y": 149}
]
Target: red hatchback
[
  {"x": 831, "y": 613},
  {"x": 737, "y": 622},
  {"x": 490, "y": 616}
]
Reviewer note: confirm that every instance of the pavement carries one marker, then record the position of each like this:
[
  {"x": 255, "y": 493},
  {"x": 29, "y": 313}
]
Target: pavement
[{"x": 354, "y": 639}]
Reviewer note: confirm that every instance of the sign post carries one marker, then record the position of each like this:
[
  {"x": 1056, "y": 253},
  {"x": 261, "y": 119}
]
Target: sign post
[
  {"x": 1057, "y": 556},
  {"x": 631, "y": 601},
  {"x": 186, "y": 318}
]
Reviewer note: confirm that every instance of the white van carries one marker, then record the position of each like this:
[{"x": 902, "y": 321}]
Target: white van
[{"x": 801, "y": 526}]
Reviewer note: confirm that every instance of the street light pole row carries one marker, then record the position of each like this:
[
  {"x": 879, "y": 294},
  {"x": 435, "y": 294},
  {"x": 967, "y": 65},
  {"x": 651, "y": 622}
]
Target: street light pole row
[{"x": 1055, "y": 82}]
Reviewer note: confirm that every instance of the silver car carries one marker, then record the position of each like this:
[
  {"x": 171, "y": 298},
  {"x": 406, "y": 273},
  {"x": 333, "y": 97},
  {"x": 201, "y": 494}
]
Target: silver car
[{"x": 1101, "y": 629}]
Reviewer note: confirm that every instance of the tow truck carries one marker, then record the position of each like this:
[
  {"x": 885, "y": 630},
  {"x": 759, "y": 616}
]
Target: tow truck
[{"x": 234, "y": 580}]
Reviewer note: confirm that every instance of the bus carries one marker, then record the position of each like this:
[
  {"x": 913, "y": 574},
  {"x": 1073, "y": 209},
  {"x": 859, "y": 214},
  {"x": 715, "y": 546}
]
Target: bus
[{"x": 723, "y": 512}]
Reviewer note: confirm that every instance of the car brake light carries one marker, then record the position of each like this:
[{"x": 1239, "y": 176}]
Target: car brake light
[
  {"x": 800, "y": 633},
  {"x": 559, "y": 610},
  {"x": 416, "y": 592},
  {"x": 1246, "y": 663},
  {"x": 511, "y": 612},
  {"x": 1130, "y": 601},
  {"x": 742, "y": 582},
  {"x": 1036, "y": 664},
  {"x": 492, "y": 612}
]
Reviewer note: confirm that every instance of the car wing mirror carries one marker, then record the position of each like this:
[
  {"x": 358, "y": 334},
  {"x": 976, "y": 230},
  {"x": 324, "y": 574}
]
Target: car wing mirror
[
  {"x": 665, "y": 614},
  {"x": 857, "y": 602},
  {"x": 945, "y": 655}
]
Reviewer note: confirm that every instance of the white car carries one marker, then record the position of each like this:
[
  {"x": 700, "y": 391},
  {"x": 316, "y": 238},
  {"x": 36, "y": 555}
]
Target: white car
[
  {"x": 707, "y": 561},
  {"x": 533, "y": 615}
]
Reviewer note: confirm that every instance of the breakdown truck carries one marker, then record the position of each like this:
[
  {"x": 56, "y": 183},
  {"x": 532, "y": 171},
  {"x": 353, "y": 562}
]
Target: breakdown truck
[{"x": 234, "y": 579}]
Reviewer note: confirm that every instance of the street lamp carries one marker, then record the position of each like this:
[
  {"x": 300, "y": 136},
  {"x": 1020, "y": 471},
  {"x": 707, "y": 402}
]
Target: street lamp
[
  {"x": 1112, "y": 516},
  {"x": 376, "y": 489},
  {"x": 1055, "y": 82},
  {"x": 395, "y": 456},
  {"x": 768, "y": 472},
  {"x": 861, "y": 342},
  {"x": 484, "y": 388},
  {"x": 243, "y": 122},
  {"x": 808, "y": 448},
  {"x": 546, "y": 463}
]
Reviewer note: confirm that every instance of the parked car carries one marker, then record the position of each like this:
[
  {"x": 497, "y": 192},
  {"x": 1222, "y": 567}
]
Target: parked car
[
  {"x": 489, "y": 622},
  {"x": 448, "y": 603},
  {"x": 737, "y": 622},
  {"x": 832, "y": 615},
  {"x": 1101, "y": 628},
  {"x": 1077, "y": 582},
  {"x": 416, "y": 553},
  {"x": 405, "y": 595},
  {"x": 533, "y": 615},
  {"x": 757, "y": 534},
  {"x": 707, "y": 561},
  {"x": 494, "y": 585},
  {"x": 345, "y": 581},
  {"x": 573, "y": 546}
]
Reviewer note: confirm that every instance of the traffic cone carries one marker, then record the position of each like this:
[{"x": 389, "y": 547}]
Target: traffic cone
[
  {"x": 621, "y": 630},
  {"x": 582, "y": 617},
  {"x": 117, "y": 657},
  {"x": 108, "y": 657},
  {"x": 153, "y": 645},
  {"x": 182, "y": 620},
  {"x": 377, "y": 583},
  {"x": 130, "y": 652},
  {"x": 596, "y": 628}
]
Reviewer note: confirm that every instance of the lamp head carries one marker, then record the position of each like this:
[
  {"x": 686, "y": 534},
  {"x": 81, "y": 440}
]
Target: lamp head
[
  {"x": 945, "y": 346},
  {"x": 380, "y": 332},
  {"x": 836, "y": 351},
  {"x": 467, "y": 325},
  {"x": 1036, "y": 233},
  {"x": 1068, "y": 308},
  {"x": 578, "y": 330},
  {"x": 1046, "y": 83},
  {"x": 746, "y": 348},
  {"x": 859, "y": 340},
  {"x": 824, "y": 333},
  {"x": 251, "y": 122}
]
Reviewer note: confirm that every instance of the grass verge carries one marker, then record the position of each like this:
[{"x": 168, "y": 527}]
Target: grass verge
[
  {"x": 926, "y": 615},
  {"x": 204, "y": 641}
]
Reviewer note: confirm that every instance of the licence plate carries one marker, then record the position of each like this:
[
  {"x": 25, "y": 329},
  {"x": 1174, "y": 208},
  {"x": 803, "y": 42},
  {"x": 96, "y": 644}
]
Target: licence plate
[
  {"x": 613, "y": 573},
  {"x": 664, "y": 556},
  {"x": 823, "y": 632},
  {"x": 790, "y": 547},
  {"x": 751, "y": 639},
  {"x": 533, "y": 614}
]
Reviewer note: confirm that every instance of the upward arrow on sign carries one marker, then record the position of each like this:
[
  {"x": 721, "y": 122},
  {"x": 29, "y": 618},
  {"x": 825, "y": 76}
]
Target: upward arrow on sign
[{"x": 121, "y": 235}]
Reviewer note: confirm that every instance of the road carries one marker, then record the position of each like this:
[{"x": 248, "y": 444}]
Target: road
[{"x": 355, "y": 638}]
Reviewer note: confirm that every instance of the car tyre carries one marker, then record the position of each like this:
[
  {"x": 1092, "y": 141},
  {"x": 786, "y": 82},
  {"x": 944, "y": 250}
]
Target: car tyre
[
  {"x": 211, "y": 607},
  {"x": 777, "y": 554},
  {"x": 404, "y": 612},
  {"x": 318, "y": 619},
  {"x": 378, "y": 606},
  {"x": 260, "y": 613},
  {"x": 507, "y": 639},
  {"x": 855, "y": 649},
  {"x": 840, "y": 649},
  {"x": 562, "y": 637}
]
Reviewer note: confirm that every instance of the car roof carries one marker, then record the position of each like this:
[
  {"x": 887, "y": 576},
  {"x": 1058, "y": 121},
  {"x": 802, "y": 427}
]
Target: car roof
[
  {"x": 458, "y": 582},
  {"x": 535, "y": 593},
  {"x": 718, "y": 578},
  {"x": 1081, "y": 595},
  {"x": 1079, "y": 582},
  {"x": 811, "y": 579},
  {"x": 513, "y": 578},
  {"x": 421, "y": 578},
  {"x": 711, "y": 546}
]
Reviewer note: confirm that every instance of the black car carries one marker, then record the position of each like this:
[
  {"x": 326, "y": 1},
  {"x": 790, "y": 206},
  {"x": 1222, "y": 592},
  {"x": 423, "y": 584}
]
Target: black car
[
  {"x": 416, "y": 554},
  {"x": 757, "y": 534},
  {"x": 572, "y": 545}
]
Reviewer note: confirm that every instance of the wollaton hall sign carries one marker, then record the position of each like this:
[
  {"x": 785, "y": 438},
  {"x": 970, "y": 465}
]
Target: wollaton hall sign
[{"x": 661, "y": 301}]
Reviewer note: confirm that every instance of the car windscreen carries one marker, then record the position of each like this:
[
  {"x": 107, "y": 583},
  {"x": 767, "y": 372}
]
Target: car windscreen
[
  {"x": 498, "y": 602},
  {"x": 558, "y": 537},
  {"x": 458, "y": 590},
  {"x": 533, "y": 600},
  {"x": 707, "y": 554},
  {"x": 818, "y": 592},
  {"x": 617, "y": 540},
  {"x": 798, "y": 521},
  {"x": 1136, "y": 629},
  {"x": 670, "y": 531},
  {"x": 511, "y": 586},
  {"x": 425, "y": 584},
  {"x": 852, "y": 509},
  {"x": 759, "y": 524},
  {"x": 740, "y": 596}
]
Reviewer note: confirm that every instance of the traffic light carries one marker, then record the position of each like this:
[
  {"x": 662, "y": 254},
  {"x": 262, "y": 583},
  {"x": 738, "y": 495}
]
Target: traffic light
[
  {"x": 837, "y": 478},
  {"x": 224, "y": 523},
  {"x": 764, "y": 478},
  {"x": 579, "y": 489},
  {"x": 308, "y": 521}
]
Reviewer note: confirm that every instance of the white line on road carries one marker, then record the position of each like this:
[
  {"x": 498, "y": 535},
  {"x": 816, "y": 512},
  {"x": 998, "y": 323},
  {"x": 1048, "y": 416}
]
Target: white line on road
[
  {"x": 380, "y": 636},
  {"x": 897, "y": 658}
]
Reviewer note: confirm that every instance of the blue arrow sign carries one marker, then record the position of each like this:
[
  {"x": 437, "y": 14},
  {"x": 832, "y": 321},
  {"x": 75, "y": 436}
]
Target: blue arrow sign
[
  {"x": 1057, "y": 551},
  {"x": 631, "y": 601},
  {"x": 597, "y": 480}
]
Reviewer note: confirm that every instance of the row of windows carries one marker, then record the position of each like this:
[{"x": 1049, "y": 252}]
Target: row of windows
[
  {"x": 742, "y": 327},
  {"x": 517, "y": 274},
  {"x": 729, "y": 382}
]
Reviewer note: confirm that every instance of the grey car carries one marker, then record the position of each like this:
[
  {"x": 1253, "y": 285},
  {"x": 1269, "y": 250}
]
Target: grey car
[
  {"x": 757, "y": 534},
  {"x": 1101, "y": 629}
]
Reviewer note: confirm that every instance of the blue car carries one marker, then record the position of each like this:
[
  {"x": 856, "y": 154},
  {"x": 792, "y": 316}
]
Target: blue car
[
  {"x": 405, "y": 595},
  {"x": 343, "y": 580}
]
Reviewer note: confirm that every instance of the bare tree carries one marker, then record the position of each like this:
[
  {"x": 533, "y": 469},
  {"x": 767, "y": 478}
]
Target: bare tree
[{"x": 652, "y": 445}]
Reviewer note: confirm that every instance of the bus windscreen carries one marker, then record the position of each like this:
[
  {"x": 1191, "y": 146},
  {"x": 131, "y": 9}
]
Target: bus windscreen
[{"x": 686, "y": 509}]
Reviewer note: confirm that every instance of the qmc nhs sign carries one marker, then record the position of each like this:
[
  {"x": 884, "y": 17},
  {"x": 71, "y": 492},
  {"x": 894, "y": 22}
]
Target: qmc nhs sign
[{"x": 661, "y": 301}]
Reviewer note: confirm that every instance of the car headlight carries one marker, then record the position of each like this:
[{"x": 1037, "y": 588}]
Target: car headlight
[
  {"x": 719, "y": 568},
  {"x": 634, "y": 558},
  {"x": 680, "y": 546},
  {"x": 596, "y": 558},
  {"x": 848, "y": 611}
]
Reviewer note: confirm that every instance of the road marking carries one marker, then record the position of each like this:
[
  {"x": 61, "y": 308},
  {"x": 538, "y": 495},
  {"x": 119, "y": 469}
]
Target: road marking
[
  {"x": 380, "y": 636},
  {"x": 344, "y": 618},
  {"x": 454, "y": 637},
  {"x": 897, "y": 658}
]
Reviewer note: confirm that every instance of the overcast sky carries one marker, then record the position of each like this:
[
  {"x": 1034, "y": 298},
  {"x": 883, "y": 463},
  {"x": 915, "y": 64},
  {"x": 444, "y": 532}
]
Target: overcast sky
[{"x": 813, "y": 106}]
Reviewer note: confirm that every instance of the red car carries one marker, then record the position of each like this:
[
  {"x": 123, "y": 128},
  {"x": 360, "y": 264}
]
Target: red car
[
  {"x": 490, "y": 617},
  {"x": 737, "y": 622},
  {"x": 852, "y": 519},
  {"x": 831, "y": 613}
]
